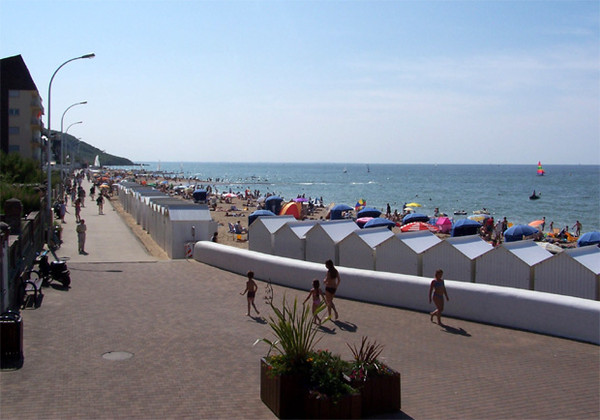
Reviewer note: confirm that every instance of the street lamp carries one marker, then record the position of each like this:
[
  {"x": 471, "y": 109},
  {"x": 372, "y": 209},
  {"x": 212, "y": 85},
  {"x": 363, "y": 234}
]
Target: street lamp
[
  {"x": 62, "y": 147},
  {"x": 48, "y": 151}
]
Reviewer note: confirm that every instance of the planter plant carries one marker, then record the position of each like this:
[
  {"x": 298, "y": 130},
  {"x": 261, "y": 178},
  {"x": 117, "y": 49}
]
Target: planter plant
[
  {"x": 379, "y": 385},
  {"x": 297, "y": 381}
]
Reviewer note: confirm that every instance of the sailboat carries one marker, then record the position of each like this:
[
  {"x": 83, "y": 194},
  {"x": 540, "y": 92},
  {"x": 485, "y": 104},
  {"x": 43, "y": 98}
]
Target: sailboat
[
  {"x": 540, "y": 170},
  {"x": 97, "y": 162}
]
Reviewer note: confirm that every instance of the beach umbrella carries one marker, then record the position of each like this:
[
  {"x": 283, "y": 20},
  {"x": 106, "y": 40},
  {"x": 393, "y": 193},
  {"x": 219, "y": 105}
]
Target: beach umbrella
[
  {"x": 537, "y": 223},
  {"x": 413, "y": 204},
  {"x": 360, "y": 204},
  {"x": 229, "y": 195},
  {"x": 362, "y": 221},
  {"x": 479, "y": 217},
  {"x": 368, "y": 212},
  {"x": 258, "y": 213},
  {"x": 300, "y": 200},
  {"x": 589, "y": 238},
  {"x": 415, "y": 217},
  {"x": 444, "y": 224},
  {"x": 417, "y": 226},
  {"x": 342, "y": 207},
  {"x": 379, "y": 222},
  {"x": 465, "y": 227},
  {"x": 517, "y": 232},
  {"x": 273, "y": 203}
]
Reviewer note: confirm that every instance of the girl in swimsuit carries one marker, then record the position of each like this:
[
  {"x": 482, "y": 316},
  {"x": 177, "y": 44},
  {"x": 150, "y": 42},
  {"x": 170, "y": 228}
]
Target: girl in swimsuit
[
  {"x": 316, "y": 294},
  {"x": 332, "y": 281},
  {"x": 251, "y": 288},
  {"x": 437, "y": 291}
]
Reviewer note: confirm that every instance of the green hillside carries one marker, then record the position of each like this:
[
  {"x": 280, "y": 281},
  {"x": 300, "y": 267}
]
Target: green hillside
[{"x": 84, "y": 153}]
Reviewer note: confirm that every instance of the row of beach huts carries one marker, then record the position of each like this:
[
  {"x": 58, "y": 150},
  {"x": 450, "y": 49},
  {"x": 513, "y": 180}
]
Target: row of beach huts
[
  {"x": 521, "y": 264},
  {"x": 175, "y": 225}
]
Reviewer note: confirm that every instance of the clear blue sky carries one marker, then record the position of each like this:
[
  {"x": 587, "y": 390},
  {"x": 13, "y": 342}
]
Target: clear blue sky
[{"x": 319, "y": 81}]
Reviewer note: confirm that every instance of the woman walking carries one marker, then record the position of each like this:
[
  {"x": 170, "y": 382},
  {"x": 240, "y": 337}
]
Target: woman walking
[
  {"x": 332, "y": 281},
  {"x": 437, "y": 291}
]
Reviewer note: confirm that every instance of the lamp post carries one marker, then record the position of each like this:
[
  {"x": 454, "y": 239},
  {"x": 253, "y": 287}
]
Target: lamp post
[
  {"x": 48, "y": 149},
  {"x": 62, "y": 142}
]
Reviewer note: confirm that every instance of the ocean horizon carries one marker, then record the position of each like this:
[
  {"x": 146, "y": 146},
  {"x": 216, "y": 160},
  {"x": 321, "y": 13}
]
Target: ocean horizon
[{"x": 567, "y": 192}]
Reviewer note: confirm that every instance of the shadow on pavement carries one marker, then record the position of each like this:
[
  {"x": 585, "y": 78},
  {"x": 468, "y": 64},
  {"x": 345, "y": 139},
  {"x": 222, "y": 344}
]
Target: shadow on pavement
[
  {"x": 346, "y": 326},
  {"x": 456, "y": 331}
]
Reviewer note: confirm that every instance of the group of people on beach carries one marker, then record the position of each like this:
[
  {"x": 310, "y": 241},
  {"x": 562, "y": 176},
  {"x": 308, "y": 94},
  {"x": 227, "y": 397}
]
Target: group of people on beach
[{"x": 332, "y": 280}]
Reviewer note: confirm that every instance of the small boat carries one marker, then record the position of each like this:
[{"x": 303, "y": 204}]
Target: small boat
[
  {"x": 482, "y": 211},
  {"x": 460, "y": 212},
  {"x": 540, "y": 170},
  {"x": 535, "y": 196}
]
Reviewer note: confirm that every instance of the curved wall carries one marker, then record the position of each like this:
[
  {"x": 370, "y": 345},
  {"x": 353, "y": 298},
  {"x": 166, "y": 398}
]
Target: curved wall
[{"x": 545, "y": 313}]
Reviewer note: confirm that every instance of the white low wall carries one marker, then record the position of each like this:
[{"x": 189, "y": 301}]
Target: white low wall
[{"x": 545, "y": 313}]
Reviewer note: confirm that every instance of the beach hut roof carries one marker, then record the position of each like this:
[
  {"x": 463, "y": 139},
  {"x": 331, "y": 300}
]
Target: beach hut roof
[
  {"x": 300, "y": 227},
  {"x": 419, "y": 241},
  {"x": 339, "y": 229},
  {"x": 527, "y": 251},
  {"x": 471, "y": 246},
  {"x": 272, "y": 223},
  {"x": 588, "y": 256},
  {"x": 374, "y": 236}
]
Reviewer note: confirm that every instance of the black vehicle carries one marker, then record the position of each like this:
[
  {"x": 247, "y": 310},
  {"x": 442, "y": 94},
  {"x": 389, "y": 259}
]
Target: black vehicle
[{"x": 53, "y": 271}]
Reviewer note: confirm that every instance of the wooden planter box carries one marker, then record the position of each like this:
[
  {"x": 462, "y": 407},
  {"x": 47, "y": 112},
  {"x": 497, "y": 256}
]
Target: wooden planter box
[
  {"x": 380, "y": 394},
  {"x": 283, "y": 394},
  {"x": 348, "y": 407},
  {"x": 288, "y": 398}
]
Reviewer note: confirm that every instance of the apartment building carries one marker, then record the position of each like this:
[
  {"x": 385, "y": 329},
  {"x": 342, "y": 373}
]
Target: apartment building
[{"x": 21, "y": 110}]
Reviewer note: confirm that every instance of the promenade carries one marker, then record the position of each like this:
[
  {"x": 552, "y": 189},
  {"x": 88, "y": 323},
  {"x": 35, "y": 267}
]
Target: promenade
[{"x": 192, "y": 355}]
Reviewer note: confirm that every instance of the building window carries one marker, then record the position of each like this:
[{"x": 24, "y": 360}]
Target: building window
[
  {"x": 14, "y": 112},
  {"x": 14, "y": 148},
  {"x": 14, "y": 130},
  {"x": 14, "y": 93}
]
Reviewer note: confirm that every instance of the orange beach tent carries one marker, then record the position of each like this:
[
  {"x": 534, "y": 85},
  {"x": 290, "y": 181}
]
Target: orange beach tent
[{"x": 292, "y": 209}]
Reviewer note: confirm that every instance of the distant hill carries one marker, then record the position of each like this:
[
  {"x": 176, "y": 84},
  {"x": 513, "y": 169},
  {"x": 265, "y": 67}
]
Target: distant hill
[{"x": 84, "y": 153}]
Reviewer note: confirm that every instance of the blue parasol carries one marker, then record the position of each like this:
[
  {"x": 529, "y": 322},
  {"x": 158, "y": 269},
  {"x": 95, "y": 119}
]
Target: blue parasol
[
  {"x": 368, "y": 212},
  {"x": 378, "y": 222},
  {"x": 517, "y": 232},
  {"x": 415, "y": 217},
  {"x": 258, "y": 213},
  {"x": 589, "y": 238}
]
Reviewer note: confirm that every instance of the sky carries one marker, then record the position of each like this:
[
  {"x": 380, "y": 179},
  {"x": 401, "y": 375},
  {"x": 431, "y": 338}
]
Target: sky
[{"x": 498, "y": 82}]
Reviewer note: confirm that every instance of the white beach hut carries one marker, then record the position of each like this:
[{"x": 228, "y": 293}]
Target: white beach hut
[
  {"x": 290, "y": 239},
  {"x": 260, "y": 232},
  {"x": 574, "y": 272},
  {"x": 456, "y": 256},
  {"x": 403, "y": 253},
  {"x": 322, "y": 239},
  {"x": 357, "y": 250},
  {"x": 187, "y": 223},
  {"x": 511, "y": 264}
]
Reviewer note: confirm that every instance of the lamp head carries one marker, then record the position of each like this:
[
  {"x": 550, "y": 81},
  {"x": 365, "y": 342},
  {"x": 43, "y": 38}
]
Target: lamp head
[{"x": 91, "y": 55}]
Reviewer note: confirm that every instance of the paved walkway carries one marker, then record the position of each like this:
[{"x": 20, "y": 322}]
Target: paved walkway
[{"x": 192, "y": 348}]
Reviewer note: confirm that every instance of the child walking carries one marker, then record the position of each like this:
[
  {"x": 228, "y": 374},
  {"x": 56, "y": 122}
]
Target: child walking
[
  {"x": 316, "y": 294},
  {"x": 251, "y": 288}
]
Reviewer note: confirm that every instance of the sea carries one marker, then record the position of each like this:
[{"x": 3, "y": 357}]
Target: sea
[{"x": 568, "y": 193}]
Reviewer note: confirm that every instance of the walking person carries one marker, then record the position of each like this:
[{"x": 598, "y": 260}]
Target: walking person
[
  {"x": 316, "y": 294},
  {"x": 81, "y": 229},
  {"x": 77, "y": 210},
  {"x": 437, "y": 291},
  {"x": 251, "y": 288},
  {"x": 332, "y": 281},
  {"x": 100, "y": 202}
]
